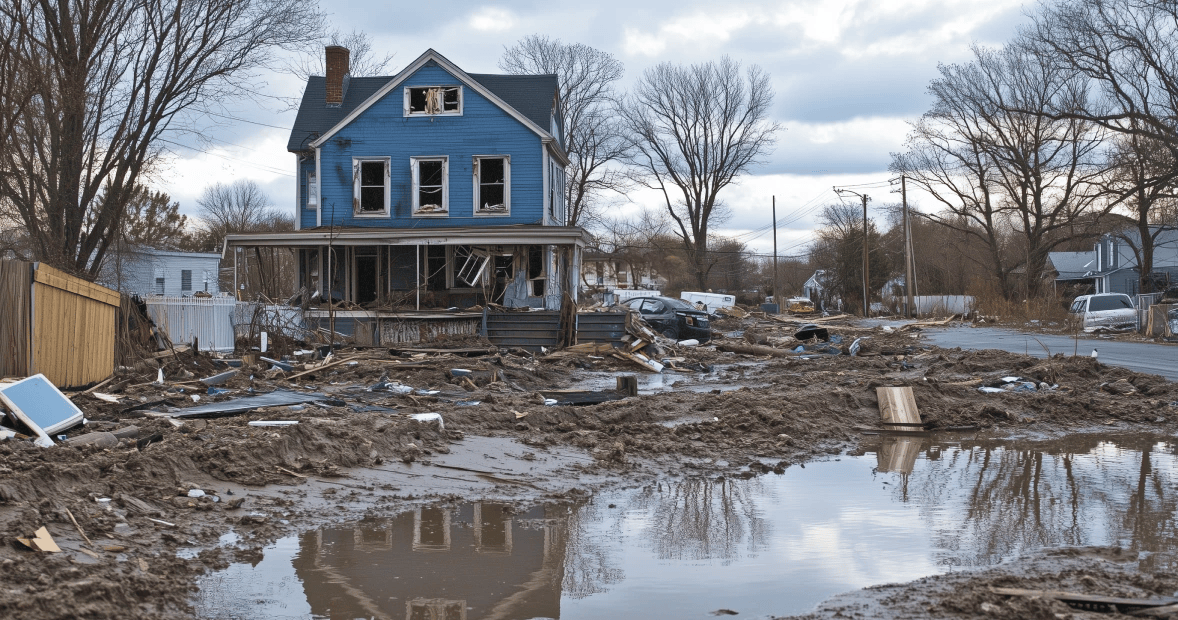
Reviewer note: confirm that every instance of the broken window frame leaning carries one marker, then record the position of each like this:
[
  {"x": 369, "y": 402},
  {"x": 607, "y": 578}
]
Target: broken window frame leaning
[
  {"x": 474, "y": 264},
  {"x": 358, "y": 187},
  {"x": 442, "y": 210},
  {"x": 477, "y": 168},
  {"x": 434, "y": 102}
]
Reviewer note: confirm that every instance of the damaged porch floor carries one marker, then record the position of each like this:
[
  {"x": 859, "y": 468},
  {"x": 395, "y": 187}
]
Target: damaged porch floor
[{"x": 695, "y": 547}]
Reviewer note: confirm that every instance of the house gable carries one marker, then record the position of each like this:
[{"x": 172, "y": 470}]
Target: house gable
[{"x": 382, "y": 132}]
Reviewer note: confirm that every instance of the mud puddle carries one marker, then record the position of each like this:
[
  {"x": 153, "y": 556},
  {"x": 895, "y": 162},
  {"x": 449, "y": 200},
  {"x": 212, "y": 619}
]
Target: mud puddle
[
  {"x": 771, "y": 544},
  {"x": 725, "y": 377}
]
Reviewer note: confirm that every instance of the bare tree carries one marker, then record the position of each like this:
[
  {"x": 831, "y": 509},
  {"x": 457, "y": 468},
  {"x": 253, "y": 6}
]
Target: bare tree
[
  {"x": 362, "y": 61},
  {"x": 1141, "y": 180},
  {"x": 591, "y": 133},
  {"x": 111, "y": 79},
  {"x": 838, "y": 249},
  {"x": 692, "y": 131},
  {"x": 241, "y": 207},
  {"x": 998, "y": 169},
  {"x": 1128, "y": 49},
  {"x": 237, "y": 207}
]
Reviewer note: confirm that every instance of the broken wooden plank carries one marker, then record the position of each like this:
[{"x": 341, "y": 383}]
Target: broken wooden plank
[
  {"x": 753, "y": 349},
  {"x": 1090, "y": 602},
  {"x": 897, "y": 406}
]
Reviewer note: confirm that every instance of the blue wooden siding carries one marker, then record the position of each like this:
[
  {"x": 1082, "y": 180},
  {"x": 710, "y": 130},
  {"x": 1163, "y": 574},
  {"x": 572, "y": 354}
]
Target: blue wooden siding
[{"x": 384, "y": 131}]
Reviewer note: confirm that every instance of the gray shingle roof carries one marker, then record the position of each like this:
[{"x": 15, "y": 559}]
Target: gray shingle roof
[
  {"x": 530, "y": 95},
  {"x": 1073, "y": 265}
]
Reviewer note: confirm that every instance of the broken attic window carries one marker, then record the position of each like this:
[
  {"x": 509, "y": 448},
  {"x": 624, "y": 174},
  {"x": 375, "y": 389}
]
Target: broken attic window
[
  {"x": 473, "y": 263},
  {"x": 372, "y": 186},
  {"x": 435, "y": 100},
  {"x": 430, "y": 185},
  {"x": 492, "y": 184}
]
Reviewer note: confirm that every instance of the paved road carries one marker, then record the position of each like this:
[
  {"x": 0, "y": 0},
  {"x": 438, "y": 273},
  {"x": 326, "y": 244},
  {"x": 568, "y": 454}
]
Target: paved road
[{"x": 1157, "y": 359}]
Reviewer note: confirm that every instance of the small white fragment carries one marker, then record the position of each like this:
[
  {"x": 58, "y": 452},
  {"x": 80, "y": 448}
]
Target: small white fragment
[
  {"x": 428, "y": 417},
  {"x": 196, "y": 493}
]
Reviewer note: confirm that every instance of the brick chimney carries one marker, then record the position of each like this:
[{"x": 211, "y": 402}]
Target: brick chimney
[{"x": 338, "y": 58}]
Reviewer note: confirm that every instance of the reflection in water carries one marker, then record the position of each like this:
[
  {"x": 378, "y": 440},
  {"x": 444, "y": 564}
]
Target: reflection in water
[
  {"x": 436, "y": 563},
  {"x": 987, "y": 501},
  {"x": 770, "y": 545}
]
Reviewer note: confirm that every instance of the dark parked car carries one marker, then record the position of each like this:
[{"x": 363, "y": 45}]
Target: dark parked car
[{"x": 673, "y": 318}]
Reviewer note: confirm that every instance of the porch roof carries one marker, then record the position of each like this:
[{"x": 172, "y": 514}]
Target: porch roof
[{"x": 521, "y": 234}]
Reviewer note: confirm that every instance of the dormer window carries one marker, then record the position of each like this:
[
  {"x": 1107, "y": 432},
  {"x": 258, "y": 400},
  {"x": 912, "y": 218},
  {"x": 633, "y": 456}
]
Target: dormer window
[{"x": 433, "y": 100}]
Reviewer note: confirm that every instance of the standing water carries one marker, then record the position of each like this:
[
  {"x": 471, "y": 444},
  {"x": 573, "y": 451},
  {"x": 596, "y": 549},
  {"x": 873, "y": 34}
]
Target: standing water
[{"x": 684, "y": 548}]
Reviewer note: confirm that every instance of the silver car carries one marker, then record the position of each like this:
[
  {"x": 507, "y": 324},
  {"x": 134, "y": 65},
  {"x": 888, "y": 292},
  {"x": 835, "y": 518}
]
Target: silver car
[{"x": 1111, "y": 310}]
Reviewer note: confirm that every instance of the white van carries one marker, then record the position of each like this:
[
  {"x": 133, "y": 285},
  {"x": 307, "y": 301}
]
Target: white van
[
  {"x": 713, "y": 301},
  {"x": 1104, "y": 310}
]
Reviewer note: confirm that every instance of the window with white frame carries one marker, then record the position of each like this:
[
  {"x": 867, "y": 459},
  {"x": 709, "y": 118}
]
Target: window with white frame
[
  {"x": 312, "y": 191},
  {"x": 186, "y": 280},
  {"x": 430, "y": 192},
  {"x": 556, "y": 193},
  {"x": 433, "y": 100},
  {"x": 492, "y": 185},
  {"x": 370, "y": 194}
]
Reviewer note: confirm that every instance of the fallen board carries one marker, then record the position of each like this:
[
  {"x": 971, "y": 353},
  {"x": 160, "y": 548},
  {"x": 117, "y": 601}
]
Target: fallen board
[
  {"x": 38, "y": 404},
  {"x": 897, "y": 405},
  {"x": 1090, "y": 602}
]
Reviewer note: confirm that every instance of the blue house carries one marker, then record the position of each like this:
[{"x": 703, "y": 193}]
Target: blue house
[{"x": 433, "y": 188}]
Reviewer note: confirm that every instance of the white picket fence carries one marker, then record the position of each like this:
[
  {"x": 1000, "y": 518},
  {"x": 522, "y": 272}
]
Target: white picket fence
[{"x": 209, "y": 320}]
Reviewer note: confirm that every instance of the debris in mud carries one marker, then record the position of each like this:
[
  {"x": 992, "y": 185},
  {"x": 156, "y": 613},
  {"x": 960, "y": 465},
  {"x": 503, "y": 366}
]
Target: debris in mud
[{"x": 40, "y": 541}]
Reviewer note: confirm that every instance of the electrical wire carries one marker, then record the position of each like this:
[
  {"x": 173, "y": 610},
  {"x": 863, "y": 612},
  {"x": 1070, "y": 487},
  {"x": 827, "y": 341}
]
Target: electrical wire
[{"x": 233, "y": 159}]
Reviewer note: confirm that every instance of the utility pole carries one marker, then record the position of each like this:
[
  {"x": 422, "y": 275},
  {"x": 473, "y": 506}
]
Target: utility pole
[
  {"x": 909, "y": 272},
  {"x": 866, "y": 288},
  {"x": 866, "y": 301},
  {"x": 776, "y": 281}
]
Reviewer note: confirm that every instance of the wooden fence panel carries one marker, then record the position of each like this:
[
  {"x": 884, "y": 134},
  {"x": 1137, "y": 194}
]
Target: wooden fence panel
[
  {"x": 15, "y": 333},
  {"x": 73, "y": 328}
]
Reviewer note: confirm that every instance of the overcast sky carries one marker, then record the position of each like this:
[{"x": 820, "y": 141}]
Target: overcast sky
[{"x": 847, "y": 74}]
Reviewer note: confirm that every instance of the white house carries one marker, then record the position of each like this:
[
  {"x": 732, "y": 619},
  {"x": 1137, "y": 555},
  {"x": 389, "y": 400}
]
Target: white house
[{"x": 160, "y": 272}]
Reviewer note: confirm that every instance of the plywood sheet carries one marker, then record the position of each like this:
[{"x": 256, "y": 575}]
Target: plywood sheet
[{"x": 897, "y": 405}]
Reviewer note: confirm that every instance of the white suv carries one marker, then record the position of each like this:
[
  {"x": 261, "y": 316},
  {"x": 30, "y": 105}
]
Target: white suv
[{"x": 1113, "y": 310}]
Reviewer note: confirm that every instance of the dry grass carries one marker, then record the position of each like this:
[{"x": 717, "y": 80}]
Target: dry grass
[{"x": 1046, "y": 308}]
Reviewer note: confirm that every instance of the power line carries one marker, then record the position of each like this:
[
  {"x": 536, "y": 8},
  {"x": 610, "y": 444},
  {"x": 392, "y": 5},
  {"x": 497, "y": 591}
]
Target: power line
[
  {"x": 242, "y": 120},
  {"x": 233, "y": 159}
]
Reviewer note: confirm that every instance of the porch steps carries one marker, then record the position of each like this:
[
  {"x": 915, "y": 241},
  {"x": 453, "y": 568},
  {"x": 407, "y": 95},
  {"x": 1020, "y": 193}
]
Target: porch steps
[{"x": 525, "y": 330}]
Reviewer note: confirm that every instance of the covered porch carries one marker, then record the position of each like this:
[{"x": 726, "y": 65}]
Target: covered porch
[{"x": 376, "y": 269}]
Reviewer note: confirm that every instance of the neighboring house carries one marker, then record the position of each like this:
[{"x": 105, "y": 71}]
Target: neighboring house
[
  {"x": 433, "y": 188},
  {"x": 1073, "y": 272},
  {"x": 1111, "y": 267},
  {"x": 602, "y": 272},
  {"x": 147, "y": 271},
  {"x": 814, "y": 287}
]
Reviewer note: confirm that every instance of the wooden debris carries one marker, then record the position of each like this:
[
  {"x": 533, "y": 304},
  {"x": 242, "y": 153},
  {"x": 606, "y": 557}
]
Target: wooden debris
[
  {"x": 1090, "y": 602},
  {"x": 753, "y": 349},
  {"x": 291, "y": 473},
  {"x": 75, "y": 521},
  {"x": 897, "y": 406}
]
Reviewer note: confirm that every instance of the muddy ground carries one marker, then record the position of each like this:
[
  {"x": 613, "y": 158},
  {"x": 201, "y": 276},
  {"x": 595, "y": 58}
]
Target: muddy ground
[{"x": 726, "y": 414}]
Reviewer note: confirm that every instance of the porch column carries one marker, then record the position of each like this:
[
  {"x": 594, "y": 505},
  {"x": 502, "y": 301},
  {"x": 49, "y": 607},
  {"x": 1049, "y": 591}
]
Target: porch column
[{"x": 417, "y": 276}]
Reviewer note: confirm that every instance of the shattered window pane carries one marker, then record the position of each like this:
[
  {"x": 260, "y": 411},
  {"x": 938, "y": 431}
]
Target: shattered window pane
[
  {"x": 450, "y": 99},
  {"x": 372, "y": 177},
  {"x": 492, "y": 184},
  {"x": 434, "y": 99}
]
